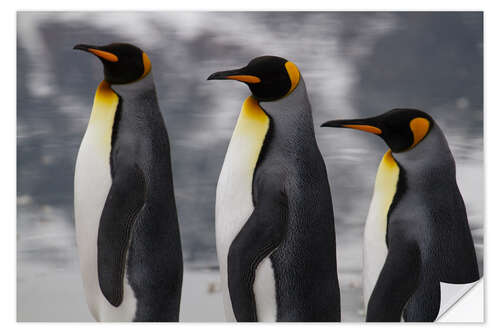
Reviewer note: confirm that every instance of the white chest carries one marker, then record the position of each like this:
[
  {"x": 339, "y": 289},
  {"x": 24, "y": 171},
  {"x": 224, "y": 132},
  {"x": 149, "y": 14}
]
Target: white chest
[
  {"x": 234, "y": 201},
  {"x": 92, "y": 184},
  {"x": 375, "y": 248}
]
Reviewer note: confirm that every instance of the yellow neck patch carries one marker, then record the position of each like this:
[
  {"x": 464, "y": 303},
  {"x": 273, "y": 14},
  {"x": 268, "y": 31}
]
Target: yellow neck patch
[
  {"x": 386, "y": 186},
  {"x": 252, "y": 120},
  {"x": 420, "y": 128},
  {"x": 147, "y": 65},
  {"x": 102, "y": 118},
  {"x": 249, "y": 134},
  {"x": 294, "y": 74}
]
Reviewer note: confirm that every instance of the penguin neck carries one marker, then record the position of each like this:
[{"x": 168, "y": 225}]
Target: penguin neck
[
  {"x": 137, "y": 88},
  {"x": 430, "y": 162},
  {"x": 292, "y": 128}
]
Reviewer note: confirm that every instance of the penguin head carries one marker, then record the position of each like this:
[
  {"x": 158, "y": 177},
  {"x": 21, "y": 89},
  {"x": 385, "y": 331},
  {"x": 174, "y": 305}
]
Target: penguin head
[
  {"x": 401, "y": 129},
  {"x": 123, "y": 63},
  {"x": 268, "y": 77}
]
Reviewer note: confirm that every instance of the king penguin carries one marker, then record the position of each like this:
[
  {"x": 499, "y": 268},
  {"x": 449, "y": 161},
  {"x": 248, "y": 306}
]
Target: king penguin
[
  {"x": 275, "y": 228},
  {"x": 125, "y": 213},
  {"x": 417, "y": 241}
]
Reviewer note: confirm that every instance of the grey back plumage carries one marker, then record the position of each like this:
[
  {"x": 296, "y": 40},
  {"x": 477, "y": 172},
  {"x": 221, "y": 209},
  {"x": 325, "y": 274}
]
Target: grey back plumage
[
  {"x": 305, "y": 262},
  {"x": 154, "y": 255},
  {"x": 429, "y": 211}
]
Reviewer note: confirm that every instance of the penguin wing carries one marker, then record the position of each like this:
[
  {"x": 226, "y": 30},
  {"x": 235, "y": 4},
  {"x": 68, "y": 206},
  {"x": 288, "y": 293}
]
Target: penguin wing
[
  {"x": 125, "y": 199},
  {"x": 261, "y": 234},
  {"x": 396, "y": 283}
]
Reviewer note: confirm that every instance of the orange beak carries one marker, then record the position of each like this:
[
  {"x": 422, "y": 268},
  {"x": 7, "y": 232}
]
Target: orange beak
[
  {"x": 97, "y": 51},
  {"x": 237, "y": 74},
  {"x": 358, "y": 124}
]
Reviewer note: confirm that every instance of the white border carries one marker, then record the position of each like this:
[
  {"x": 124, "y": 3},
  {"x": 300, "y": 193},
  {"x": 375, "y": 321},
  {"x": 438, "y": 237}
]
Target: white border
[
  {"x": 8, "y": 140},
  {"x": 469, "y": 309}
]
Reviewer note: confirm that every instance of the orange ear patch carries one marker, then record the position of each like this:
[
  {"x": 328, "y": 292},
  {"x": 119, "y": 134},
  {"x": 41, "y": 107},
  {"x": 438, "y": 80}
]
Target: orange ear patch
[
  {"x": 104, "y": 55},
  {"x": 420, "y": 128},
  {"x": 293, "y": 73},
  {"x": 366, "y": 128},
  {"x": 147, "y": 64}
]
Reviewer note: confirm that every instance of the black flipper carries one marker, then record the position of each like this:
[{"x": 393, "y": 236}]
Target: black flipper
[
  {"x": 261, "y": 234},
  {"x": 425, "y": 303},
  {"x": 396, "y": 283},
  {"x": 125, "y": 199}
]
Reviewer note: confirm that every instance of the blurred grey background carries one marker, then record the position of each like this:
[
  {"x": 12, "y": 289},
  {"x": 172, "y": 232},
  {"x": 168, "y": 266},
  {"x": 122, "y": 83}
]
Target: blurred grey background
[{"x": 355, "y": 64}]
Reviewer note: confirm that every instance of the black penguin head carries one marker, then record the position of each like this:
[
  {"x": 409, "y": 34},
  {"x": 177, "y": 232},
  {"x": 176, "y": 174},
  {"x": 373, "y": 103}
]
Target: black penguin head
[
  {"x": 401, "y": 129},
  {"x": 268, "y": 77},
  {"x": 123, "y": 63}
]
